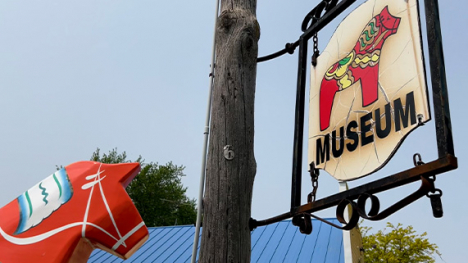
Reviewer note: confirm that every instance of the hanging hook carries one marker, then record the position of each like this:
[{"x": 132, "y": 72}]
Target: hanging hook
[
  {"x": 417, "y": 160},
  {"x": 436, "y": 202},
  {"x": 304, "y": 222}
]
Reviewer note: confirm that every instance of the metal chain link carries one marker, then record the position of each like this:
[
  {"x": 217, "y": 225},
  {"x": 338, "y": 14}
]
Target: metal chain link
[
  {"x": 314, "y": 174},
  {"x": 316, "y": 50},
  {"x": 315, "y": 39}
]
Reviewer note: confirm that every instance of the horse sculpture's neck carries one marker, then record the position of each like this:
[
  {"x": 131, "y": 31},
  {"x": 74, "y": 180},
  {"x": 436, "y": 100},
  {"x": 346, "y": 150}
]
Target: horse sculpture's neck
[
  {"x": 67, "y": 215},
  {"x": 53, "y": 247}
]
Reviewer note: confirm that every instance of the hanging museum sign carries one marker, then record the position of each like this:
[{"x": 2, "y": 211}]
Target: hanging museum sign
[
  {"x": 368, "y": 89},
  {"x": 368, "y": 92}
]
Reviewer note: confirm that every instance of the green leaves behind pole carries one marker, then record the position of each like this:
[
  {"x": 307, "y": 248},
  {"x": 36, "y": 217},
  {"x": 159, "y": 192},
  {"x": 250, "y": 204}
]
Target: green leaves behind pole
[
  {"x": 400, "y": 245},
  {"x": 157, "y": 191}
]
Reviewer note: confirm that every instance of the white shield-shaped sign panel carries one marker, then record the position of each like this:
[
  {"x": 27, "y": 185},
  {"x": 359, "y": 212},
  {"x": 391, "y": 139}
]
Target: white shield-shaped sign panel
[{"x": 368, "y": 90}]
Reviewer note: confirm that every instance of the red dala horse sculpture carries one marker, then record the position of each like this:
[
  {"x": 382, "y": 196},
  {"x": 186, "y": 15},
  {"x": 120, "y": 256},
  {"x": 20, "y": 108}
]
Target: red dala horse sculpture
[
  {"x": 73, "y": 211},
  {"x": 362, "y": 63}
]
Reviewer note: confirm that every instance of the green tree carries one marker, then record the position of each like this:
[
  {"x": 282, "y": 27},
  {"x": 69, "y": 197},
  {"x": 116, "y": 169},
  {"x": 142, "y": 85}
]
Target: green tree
[
  {"x": 400, "y": 245},
  {"x": 157, "y": 191}
]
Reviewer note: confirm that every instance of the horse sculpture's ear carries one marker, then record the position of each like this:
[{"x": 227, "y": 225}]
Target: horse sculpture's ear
[{"x": 128, "y": 172}]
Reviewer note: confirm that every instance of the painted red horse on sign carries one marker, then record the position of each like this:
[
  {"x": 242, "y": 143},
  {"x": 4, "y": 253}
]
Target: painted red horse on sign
[
  {"x": 75, "y": 210},
  {"x": 362, "y": 63}
]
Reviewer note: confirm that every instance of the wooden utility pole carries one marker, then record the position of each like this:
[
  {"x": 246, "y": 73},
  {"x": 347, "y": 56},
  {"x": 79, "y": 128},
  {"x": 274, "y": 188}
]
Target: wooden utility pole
[{"x": 231, "y": 165}]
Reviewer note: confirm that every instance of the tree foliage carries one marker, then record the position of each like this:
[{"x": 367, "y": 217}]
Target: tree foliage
[
  {"x": 400, "y": 245},
  {"x": 157, "y": 191}
]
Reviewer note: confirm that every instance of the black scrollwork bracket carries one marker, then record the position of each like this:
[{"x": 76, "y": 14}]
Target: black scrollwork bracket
[
  {"x": 355, "y": 199},
  {"x": 358, "y": 209},
  {"x": 315, "y": 20}
]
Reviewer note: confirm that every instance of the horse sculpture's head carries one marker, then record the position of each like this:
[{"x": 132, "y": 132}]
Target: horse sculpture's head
[{"x": 78, "y": 208}]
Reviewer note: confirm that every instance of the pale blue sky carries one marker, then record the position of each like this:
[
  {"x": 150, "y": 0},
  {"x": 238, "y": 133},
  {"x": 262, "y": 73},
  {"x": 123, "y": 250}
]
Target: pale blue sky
[{"x": 134, "y": 74}]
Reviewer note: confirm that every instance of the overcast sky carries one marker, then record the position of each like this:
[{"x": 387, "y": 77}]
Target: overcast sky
[{"x": 133, "y": 75}]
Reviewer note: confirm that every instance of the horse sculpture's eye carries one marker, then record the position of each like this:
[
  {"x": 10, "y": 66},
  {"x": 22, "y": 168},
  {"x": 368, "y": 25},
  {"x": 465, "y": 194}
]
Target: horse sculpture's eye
[{"x": 91, "y": 184}]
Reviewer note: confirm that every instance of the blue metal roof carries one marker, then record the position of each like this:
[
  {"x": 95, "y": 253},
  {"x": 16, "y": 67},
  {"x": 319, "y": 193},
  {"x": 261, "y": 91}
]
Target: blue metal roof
[{"x": 280, "y": 242}]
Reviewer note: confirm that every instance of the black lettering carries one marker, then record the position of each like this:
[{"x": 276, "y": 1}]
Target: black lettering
[
  {"x": 365, "y": 128},
  {"x": 388, "y": 122},
  {"x": 352, "y": 135},
  {"x": 339, "y": 152},
  {"x": 322, "y": 153},
  {"x": 401, "y": 114}
]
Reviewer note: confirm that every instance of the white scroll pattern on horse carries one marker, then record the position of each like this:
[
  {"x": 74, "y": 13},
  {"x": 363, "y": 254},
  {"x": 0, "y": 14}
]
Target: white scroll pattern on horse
[{"x": 41, "y": 200}]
